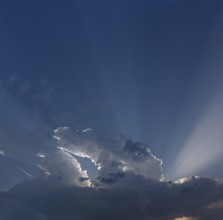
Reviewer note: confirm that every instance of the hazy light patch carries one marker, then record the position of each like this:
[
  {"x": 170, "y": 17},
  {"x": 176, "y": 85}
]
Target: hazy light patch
[
  {"x": 181, "y": 180},
  {"x": 204, "y": 146},
  {"x": 41, "y": 155},
  {"x": 61, "y": 128},
  {"x": 185, "y": 218},
  {"x": 216, "y": 205},
  {"x": 56, "y": 138},
  {"x": 2, "y": 153},
  {"x": 185, "y": 179},
  {"x": 44, "y": 169},
  {"x": 87, "y": 130}
]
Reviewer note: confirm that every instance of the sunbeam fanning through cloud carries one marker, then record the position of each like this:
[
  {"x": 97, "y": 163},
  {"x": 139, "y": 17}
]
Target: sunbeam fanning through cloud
[
  {"x": 204, "y": 146},
  {"x": 111, "y": 110}
]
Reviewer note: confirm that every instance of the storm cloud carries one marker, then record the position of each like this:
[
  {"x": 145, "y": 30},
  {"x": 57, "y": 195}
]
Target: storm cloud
[
  {"x": 45, "y": 199},
  {"x": 129, "y": 185}
]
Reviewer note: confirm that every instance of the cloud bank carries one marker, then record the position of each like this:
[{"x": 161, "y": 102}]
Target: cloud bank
[
  {"x": 197, "y": 198},
  {"x": 129, "y": 185}
]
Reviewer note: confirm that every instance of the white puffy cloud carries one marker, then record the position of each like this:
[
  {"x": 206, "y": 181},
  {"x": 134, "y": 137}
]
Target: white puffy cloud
[
  {"x": 116, "y": 159},
  {"x": 65, "y": 168}
]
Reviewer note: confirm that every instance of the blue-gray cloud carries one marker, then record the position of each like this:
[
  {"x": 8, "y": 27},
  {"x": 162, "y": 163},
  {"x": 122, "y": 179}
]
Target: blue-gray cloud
[
  {"x": 128, "y": 185},
  {"x": 46, "y": 199}
]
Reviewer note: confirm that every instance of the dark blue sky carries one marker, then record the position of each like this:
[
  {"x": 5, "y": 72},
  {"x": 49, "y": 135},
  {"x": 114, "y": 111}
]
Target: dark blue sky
[{"x": 145, "y": 69}]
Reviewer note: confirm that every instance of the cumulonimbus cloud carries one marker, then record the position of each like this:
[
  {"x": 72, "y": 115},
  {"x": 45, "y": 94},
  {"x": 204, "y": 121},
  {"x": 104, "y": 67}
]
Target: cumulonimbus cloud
[{"x": 129, "y": 185}]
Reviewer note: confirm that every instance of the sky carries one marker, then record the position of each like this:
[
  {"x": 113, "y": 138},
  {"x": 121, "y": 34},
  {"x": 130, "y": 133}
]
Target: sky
[{"x": 111, "y": 101}]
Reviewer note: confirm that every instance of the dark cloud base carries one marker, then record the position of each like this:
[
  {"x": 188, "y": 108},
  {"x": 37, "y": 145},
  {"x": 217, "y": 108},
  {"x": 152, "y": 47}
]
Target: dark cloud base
[{"x": 47, "y": 199}]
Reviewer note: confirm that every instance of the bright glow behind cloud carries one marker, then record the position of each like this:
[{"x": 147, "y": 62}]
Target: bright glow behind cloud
[
  {"x": 185, "y": 218},
  {"x": 114, "y": 158}
]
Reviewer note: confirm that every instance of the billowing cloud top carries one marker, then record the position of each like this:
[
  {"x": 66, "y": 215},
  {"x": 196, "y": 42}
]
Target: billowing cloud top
[{"x": 116, "y": 160}]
